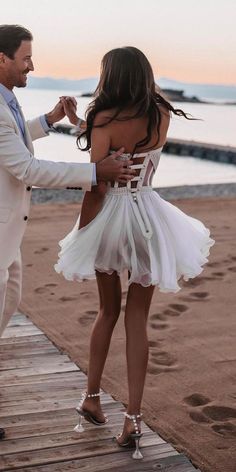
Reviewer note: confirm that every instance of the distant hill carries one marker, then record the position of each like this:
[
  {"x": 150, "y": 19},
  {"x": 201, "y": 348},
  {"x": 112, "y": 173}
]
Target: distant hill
[
  {"x": 80, "y": 85},
  {"x": 202, "y": 91},
  {"x": 211, "y": 91}
]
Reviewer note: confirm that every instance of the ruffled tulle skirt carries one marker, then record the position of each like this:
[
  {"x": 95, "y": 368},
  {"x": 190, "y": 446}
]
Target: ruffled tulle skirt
[{"x": 148, "y": 236}]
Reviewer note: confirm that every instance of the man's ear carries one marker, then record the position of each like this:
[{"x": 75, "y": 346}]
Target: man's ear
[{"x": 2, "y": 57}]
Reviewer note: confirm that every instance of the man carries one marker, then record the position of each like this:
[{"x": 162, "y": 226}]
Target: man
[{"x": 19, "y": 170}]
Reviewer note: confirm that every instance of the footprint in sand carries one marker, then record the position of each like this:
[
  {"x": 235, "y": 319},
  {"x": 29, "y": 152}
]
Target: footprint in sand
[
  {"x": 45, "y": 288},
  {"x": 232, "y": 269},
  {"x": 84, "y": 293},
  {"x": 198, "y": 417},
  {"x": 159, "y": 325},
  {"x": 154, "y": 344},
  {"x": 174, "y": 309},
  {"x": 213, "y": 264},
  {"x": 162, "y": 358},
  {"x": 197, "y": 281},
  {"x": 163, "y": 361},
  {"x": 228, "y": 430},
  {"x": 29, "y": 265},
  {"x": 42, "y": 250},
  {"x": 87, "y": 318},
  {"x": 195, "y": 296},
  {"x": 218, "y": 274},
  {"x": 158, "y": 317},
  {"x": 219, "y": 413},
  {"x": 69, "y": 299},
  {"x": 196, "y": 399},
  {"x": 160, "y": 362},
  {"x": 200, "y": 295},
  {"x": 41, "y": 290},
  {"x": 205, "y": 413}
]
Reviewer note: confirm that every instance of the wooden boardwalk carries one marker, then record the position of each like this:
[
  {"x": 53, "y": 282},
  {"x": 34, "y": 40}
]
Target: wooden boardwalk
[{"x": 39, "y": 389}]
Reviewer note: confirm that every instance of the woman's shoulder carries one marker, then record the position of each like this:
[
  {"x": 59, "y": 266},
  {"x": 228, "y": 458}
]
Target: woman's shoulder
[
  {"x": 165, "y": 112},
  {"x": 103, "y": 117}
]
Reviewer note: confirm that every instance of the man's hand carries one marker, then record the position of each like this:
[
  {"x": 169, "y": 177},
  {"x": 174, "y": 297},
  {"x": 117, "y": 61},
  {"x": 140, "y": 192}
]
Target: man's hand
[
  {"x": 70, "y": 107},
  {"x": 58, "y": 111},
  {"x": 56, "y": 114},
  {"x": 110, "y": 169}
]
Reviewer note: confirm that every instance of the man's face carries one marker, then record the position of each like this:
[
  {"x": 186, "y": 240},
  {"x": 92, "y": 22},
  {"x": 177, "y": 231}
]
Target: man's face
[{"x": 16, "y": 69}]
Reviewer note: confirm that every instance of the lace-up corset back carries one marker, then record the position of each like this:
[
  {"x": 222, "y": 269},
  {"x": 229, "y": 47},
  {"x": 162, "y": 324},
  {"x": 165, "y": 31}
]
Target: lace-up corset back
[{"x": 145, "y": 164}]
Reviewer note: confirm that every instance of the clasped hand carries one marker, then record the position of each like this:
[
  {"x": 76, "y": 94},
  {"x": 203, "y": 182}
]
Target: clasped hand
[{"x": 66, "y": 106}]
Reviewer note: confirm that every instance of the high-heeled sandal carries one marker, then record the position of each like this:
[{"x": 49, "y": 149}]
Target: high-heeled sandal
[
  {"x": 132, "y": 439},
  {"x": 87, "y": 415}
]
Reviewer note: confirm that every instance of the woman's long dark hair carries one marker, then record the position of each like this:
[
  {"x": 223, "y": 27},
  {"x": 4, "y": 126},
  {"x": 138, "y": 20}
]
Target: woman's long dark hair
[{"x": 127, "y": 82}]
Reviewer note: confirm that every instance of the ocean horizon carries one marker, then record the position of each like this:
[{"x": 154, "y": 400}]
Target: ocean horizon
[{"x": 217, "y": 92}]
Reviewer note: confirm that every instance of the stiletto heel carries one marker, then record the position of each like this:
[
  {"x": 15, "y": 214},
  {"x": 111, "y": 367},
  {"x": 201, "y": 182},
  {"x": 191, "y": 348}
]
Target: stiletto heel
[
  {"x": 87, "y": 415},
  {"x": 79, "y": 427},
  {"x": 133, "y": 439},
  {"x": 137, "y": 453}
]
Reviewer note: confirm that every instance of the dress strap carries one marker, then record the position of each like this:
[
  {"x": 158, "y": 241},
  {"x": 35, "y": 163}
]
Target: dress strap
[{"x": 141, "y": 214}]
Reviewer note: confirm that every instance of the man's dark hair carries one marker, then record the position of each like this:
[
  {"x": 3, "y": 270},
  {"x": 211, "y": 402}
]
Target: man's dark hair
[{"x": 11, "y": 37}]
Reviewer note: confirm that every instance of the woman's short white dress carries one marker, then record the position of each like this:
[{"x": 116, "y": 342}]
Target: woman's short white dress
[{"x": 138, "y": 231}]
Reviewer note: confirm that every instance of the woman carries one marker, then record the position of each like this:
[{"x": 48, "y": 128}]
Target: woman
[{"x": 128, "y": 227}]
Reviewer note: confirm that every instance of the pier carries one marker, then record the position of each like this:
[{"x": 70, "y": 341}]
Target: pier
[
  {"x": 181, "y": 147},
  {"x": 210, "y": 152}
]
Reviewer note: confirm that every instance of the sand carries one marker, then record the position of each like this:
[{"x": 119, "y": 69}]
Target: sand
[{"x": 190, "y": 393}]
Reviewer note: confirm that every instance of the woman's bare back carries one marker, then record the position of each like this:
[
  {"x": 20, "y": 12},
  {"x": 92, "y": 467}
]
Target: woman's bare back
[{"x": 128, "y": 133}]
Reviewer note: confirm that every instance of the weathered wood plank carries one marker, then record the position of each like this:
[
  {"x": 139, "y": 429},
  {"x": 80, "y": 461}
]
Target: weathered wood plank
[
  {"x": 75, "y": 451},
  {"x": 19, "y": 318},
  {"x": 40, "y": 405},
  {"x": 16, "y": 331},
  {"x": 23, "y": 363},
  {"x": 26, "y": 348},
  {"x": 11, "y": 341},
  {"x": 122, "y": 461},
  {"x": 40, "y": 423},
  {"x": 32, "y": 398},
  {"x": 64, "y": 424},
  {"x": 52, "y": 386},
  {"x": 38, "y": 378},
  {"x": 22, "y": 353},
  {"x": 52, "y": 440},
  {"x": 16, "y": 374}
]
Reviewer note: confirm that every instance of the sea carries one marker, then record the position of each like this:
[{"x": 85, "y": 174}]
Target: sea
[{"x": 216, "y": 123}]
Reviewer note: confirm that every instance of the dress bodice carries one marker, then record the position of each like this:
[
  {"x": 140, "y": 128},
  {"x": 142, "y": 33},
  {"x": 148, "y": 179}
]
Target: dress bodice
[{"x": 146, "y": 165}]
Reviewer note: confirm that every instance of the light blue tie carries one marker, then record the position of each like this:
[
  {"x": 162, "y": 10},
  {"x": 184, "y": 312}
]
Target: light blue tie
[{"x": 18, "y": 117}]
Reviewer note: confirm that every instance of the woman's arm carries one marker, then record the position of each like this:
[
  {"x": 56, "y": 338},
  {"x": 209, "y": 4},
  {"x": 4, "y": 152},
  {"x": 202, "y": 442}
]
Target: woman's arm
[{"x": 100, "y": 146}]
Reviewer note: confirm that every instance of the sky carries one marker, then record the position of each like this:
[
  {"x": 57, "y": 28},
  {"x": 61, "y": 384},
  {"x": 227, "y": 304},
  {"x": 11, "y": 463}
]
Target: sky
[{"x": 186, "y": 40}]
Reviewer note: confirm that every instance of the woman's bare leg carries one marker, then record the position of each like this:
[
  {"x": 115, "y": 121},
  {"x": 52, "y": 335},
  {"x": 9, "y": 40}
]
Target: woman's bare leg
[
  {"x": 109, "y": 288},
  {"x": 136, "y": 314}
]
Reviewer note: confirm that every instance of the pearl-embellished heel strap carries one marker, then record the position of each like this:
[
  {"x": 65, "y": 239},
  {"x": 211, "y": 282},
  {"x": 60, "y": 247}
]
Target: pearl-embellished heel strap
[
  {"x": 83, "y": 413},
  {"x": 137, "y": 435}
]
